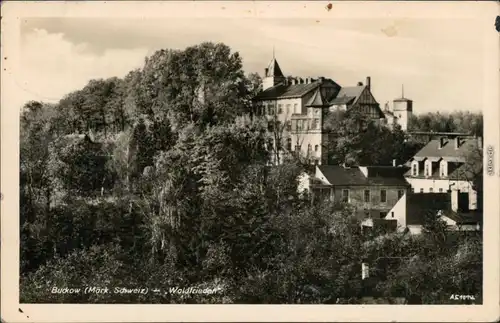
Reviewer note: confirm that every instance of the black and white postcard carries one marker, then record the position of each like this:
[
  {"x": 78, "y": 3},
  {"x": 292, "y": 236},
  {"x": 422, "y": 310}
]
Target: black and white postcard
[{"x": 236, "y": 160}]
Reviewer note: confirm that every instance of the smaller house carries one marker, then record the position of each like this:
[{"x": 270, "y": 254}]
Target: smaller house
[
  {"x": 448, "y": 162},
  {"x": 412, "y": 211},
  {"x": 373, "y": 190}
]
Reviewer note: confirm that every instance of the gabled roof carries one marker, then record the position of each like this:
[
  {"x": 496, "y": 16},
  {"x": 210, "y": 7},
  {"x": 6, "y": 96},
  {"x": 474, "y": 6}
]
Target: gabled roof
[
  {"x": 274, "y": 69},
  {"x": 342, "y": 100},
  {"x": 345, "y": 176},
  {"x": 286, "y": 91},
  {"x": 448, "y": 151},
  {"x": 471, "y": 217},
  {"x": 316, "y": 100},
  {"x": 351, "y": 92}
]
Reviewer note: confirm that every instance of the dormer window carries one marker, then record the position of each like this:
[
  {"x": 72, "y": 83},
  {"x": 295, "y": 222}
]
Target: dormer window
[
  {"x": 443, "y": 171},
  {"x": 414, "y": 168}
]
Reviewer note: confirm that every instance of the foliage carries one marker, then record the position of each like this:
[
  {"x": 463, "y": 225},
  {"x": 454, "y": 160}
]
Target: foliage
[
  {"x": 153, "y": 181},
  {"x": 459, "y": 121}
]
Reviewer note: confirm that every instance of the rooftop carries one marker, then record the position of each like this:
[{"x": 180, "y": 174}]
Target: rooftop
[{"x": 376, "y": 175}]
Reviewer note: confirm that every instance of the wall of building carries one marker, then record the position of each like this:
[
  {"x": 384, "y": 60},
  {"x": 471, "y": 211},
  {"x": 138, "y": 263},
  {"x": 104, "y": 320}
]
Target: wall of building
[
  {"x": 398, "y": 212},
  {"x": 357, "y": 195},
  {"x": 415, "y": 229},
  {"x": 442, "y": 185}
]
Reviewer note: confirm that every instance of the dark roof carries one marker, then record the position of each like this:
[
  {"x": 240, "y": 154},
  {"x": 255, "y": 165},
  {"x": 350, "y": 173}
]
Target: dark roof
[
  {"x": 421, "y": 205},
  {"x": 286, "y": 91},
  {"x": 471, "y": 217},
  {"x": 343, "y": 100},
  {"x": 345, "y": 176},
  {"x": 351, "y": 91},
  {"x": 274, "y": 69},
  {"x": 448, "y": 151},
  {"x": 467, "y": 171},
  {"x": 316, "y": 100}
]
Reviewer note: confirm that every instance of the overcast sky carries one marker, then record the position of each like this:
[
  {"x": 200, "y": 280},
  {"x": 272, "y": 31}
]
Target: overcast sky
[{"x": 438, "y": 61}]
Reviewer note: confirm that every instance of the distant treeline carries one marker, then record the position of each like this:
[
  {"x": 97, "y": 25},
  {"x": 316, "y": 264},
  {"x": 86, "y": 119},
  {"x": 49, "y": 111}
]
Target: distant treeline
[{"x": 458, "y": 121}]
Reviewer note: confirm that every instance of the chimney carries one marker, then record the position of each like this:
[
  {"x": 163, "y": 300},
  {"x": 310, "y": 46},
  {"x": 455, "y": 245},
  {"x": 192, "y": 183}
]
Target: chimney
[
  {"x": 368, "y": 82},
  {"x": 321, "y": 79},
  {"x": 393, "y": 163},
  {"x": 301, "y": 80},
  {"x": 266, "y": 71},
  {"x": 442, "y": 142},
  {"x": 457, "y": 142},
  {"x": 455, "y": 200},
  {"x": 360, "y": 83}
]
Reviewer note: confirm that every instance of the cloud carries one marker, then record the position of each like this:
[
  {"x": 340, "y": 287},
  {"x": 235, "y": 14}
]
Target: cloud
[
  {"x": 51, "y": 66},
  {"x": 62, "y": 55}
]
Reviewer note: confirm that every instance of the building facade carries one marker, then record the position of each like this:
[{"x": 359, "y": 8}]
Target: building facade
[
  {"x": 297, "y": 108},
  {"x": 411, "y": 211},
  {"x": 446, "y": 163},
  {"x": 372, "y": 190},
  {"x": 400, "y": 112}
]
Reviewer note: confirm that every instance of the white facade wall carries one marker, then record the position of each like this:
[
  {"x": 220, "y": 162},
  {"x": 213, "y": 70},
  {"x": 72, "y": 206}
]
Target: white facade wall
[{"x": 423, "y": 185}]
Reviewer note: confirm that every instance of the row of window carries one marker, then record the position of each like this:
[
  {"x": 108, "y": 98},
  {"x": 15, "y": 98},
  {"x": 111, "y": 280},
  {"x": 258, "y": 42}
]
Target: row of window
[
  {"x": 270, "y": 109},
  {"x": 305, "y": 124},
  {"x": 427, "y": 170},
  {"x": 367, "y": 195},
  {"x": 431, "y": 190}
]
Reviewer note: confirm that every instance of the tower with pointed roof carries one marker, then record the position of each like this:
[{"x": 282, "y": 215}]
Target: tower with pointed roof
[
  {"x": 272, "y": 75},
  {"x": 402, "y": 109}
]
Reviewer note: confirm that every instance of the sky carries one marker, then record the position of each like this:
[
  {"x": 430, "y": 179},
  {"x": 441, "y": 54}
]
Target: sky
[{"x": 439, "y": 62}]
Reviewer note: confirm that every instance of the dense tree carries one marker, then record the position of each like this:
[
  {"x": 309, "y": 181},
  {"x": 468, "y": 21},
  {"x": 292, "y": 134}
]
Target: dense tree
[
  {"x": 162, "y": 173},
  {"x": 458, "y": 121}
]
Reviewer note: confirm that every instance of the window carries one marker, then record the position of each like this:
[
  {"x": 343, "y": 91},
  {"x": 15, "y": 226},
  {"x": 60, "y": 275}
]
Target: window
[
  {"x": 383, "y": 196},
  {"x": 297, "y": 148},
  {"x": 288, "y": 109},
  {"x": 431, "y": 189},
  {"x": 392, "y": 214},
  {"x": 299, "y": 125},
  {"x": 412, "y": 190},
  {"x": 270, "y": 126},
  {"x": 316, "y": 148},
  {"x": 440, "y": 190},
  {"x": 316, "y": 111},
  {"x": 295, "y": 108},
  {"x": 427, "y": 173},
  {"x": 400, "y": 193},
  {"x": 280, "y": 108},
  {"x": 314, "y": 124},
  {"x": 383, "y": 215},
  {"x": 414, "y": 170},
  {"x": 367, "y": 196},
  {"x": 421, "y": 190},
  {"x": 288, "y": 126},
  {"x": 309, "y": 149},
  {"x": 316, "y": 162},
  {"x": 345, "y": 195},
  {"x": 271, "y": 110},
  {"x": 289, "y": 144}
]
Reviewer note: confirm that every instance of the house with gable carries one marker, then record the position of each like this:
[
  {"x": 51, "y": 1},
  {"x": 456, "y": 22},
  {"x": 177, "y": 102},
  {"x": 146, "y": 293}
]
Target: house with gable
[
  {"x": 448, "y": 162},
  {"x": 412, "y": 211},
  {"x": 373, "y": 190},
  {"x": 298, "y": 107}
]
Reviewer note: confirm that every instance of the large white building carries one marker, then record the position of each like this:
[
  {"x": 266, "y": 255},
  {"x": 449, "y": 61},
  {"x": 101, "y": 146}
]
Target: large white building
[{"x": 301, "y": 105}]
